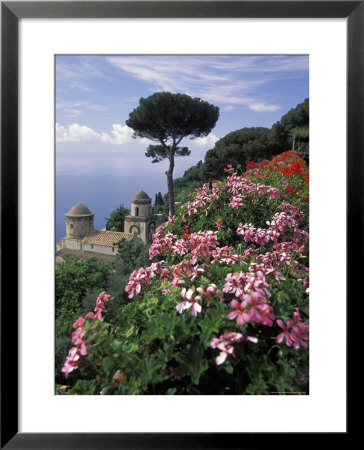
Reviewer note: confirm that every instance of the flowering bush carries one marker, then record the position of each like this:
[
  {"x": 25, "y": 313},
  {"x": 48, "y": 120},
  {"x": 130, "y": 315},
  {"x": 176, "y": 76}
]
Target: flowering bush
[{"x": 223, "y": 306}]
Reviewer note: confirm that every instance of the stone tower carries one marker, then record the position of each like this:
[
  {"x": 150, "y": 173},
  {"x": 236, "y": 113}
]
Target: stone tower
[
  {"x": 79, "y": 222},
  {"x": 141, "y": 222}
]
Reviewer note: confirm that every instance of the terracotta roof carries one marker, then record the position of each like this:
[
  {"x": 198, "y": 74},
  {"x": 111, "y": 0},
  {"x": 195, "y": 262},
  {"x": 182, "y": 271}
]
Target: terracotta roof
[
  {"x": 79, "y": 210},
  {"x": 106, "y": 238}
]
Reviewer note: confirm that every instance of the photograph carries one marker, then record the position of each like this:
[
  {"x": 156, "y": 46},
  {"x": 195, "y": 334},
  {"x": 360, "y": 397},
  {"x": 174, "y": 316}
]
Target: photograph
[{"x": 181, "y": 224}]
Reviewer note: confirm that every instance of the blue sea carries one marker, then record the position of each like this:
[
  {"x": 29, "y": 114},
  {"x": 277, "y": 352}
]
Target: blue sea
[{"x": 101, "y": 195}]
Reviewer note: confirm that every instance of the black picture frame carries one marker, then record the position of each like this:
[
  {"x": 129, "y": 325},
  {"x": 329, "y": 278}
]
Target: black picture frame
[{"x": 11, "y": 12}]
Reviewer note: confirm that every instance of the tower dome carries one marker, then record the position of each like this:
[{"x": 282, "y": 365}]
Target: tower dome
[
  {"x": 79, "y": 221},
  {"x": 142, "y": 198},
  {"x": 79, "y": 210}
]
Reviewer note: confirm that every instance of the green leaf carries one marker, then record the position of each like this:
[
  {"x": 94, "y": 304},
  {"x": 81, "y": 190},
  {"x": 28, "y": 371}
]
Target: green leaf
[{"x": 193, "y": 363}]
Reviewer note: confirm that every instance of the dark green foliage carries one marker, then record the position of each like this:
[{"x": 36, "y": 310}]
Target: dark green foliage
[
  {"x": 131, "y": 255},
  {"x": 248, "y": 145},
  {"x": 158, "y": 199},
  {"x": 166, "y": 119},
  {"x": 78, "y": 283},
  {"x": 159, "y": 153},
  {"x": 297, "y": 117},
  {"x": 238, "y": 148},
  {"x": 164, "y": 116},
  {"x": 116, "y": 220},
  {"x": 73, "y": 278}
]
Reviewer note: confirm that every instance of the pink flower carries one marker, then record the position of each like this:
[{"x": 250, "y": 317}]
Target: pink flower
[
  {"x": 223, "y": 343},
  {"x": 273, "y": 193},
  {"x": 134, "y": 285},
  {"x": 189, "y": 302},
  {"x": 251, "y": 302},
  {"x": 239, "y": 314},
  {"x": 71, "y": 362},
  {"x": 234, "y": 284},
  {"x": 267, "y": 317},
  {"x": 141, "y": 276},
  {"x": 179, "y": 247},
  {"x": 299, "y": 335},
  {"x": 218, "y": 224},
  {"x": 285, "y": 335},
  {"x": 296, "y": 316},
  {"x": 236, "y": 202},
  {"x": 79, "y": 336},
  {"x": 80, "y": 323},
  {"x": 224, "y": 255},
  {"x": 261, "y": 188}
]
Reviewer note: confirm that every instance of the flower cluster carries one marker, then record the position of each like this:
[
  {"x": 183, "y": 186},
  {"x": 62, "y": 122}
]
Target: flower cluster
[
  {"x": 202, "y": 199},
  {"x": 79, "y": 336},
  {"x": 223, "y": 343},
  {"x": 251, "y": 288},
  {"x": 225, "y": 255},
  {"x": 189, "y": 301},
  {"x": 162, "y": 242},
  {"x": 276, "y": 229},
  {"x": 294, "y": 332},
  {"x": 201, "y": 242}
]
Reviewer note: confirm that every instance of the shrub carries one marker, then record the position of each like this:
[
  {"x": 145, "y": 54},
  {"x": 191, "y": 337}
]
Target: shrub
[{"x": 223, "y": 309}]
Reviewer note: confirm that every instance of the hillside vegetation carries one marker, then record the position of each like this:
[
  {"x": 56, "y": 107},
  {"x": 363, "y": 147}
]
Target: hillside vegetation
[
  {"x": 223, "y": 306},
  {"x": 248, "y": 144}
]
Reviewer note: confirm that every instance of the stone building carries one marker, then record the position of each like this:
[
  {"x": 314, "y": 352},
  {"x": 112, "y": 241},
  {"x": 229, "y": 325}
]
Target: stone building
[
  {"x": 141, "y": 222},
  {"x": 79, "y": 223},
  {"x": 82, "y": 239}
]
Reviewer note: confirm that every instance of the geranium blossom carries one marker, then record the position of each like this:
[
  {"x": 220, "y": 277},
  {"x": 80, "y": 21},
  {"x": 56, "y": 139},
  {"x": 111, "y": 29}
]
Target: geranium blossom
[
  {"x": 236, "y": 202},
  {"x": 79, "y": 336},
  {"x": 286, "y": 334},
  {"x": 239, "y": 314},
  {"x": 299, "y": 335},
  {"x": 71, "y": 362},
  {"x": 189, "y": 301},
  {"x": 224, "y": 255},
  {"x": 234, "y": 284},
  {"x": 223, "y": 343}
]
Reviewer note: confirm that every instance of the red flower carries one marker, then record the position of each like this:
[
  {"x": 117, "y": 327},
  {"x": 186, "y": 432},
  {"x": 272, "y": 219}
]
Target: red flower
[
  {"x": 250, "y": 165},
  {"x": 185, "y": 233},
  {"x": 263, "y": 163}
]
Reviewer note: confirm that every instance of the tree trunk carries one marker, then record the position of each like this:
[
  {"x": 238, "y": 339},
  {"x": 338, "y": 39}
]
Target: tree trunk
[{"x": 169, "y": 174}]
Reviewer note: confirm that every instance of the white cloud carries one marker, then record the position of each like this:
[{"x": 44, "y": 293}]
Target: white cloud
[
  {"x": 228, "y": 108},
  {"x": 119, "y": 135},
  {"x": 205, "y": 141},
  {"x": 261, "y": 107},
  {"x": 72, "y": 112},
  {"x": 224, "y": 80},
  {"x": 76, "y": 108},
  {"x": 75, "y": 133}
]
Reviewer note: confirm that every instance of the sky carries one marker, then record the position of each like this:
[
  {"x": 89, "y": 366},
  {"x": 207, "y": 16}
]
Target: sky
[{"x": 96, "y": 93}]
